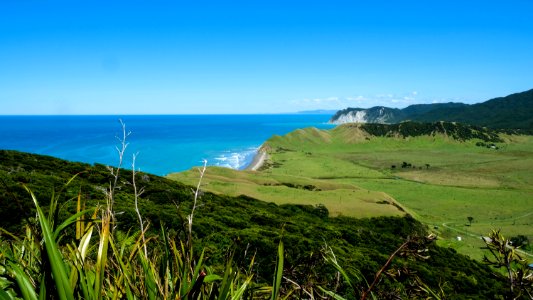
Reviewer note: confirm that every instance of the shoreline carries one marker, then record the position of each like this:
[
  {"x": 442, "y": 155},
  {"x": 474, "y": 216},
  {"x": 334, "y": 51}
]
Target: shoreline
[{"x": 258, "y": 160}]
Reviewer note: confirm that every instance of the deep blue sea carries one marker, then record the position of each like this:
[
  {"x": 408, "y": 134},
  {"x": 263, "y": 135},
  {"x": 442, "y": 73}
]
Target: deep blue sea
[{"x": 163, "y": 143}]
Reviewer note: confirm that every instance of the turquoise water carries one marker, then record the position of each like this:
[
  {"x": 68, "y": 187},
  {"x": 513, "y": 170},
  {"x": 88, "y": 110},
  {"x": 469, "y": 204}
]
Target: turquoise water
[{"x": 163, "y": 144}]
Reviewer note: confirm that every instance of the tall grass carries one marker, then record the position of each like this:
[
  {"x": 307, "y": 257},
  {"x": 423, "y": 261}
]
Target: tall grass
[
  {"x": 106, "y": 265},
  {"x": 96, "y": 262},
  {"x": 82, "y": 257}
]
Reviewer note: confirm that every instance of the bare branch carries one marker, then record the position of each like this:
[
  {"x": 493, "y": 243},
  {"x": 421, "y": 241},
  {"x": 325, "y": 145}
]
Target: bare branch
[
  {"x": 137, "y": 193},
  {"x": 195, "y": 203},
  {"x": 121, "y": 150}
]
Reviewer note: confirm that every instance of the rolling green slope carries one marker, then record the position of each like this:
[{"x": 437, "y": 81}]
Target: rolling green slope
[
  {"x": 440, "y": 173},
  {"x": 250, "y": 226}
]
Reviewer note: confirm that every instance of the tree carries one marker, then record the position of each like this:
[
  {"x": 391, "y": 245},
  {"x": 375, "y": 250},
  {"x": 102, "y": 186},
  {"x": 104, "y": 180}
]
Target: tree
[{"x": 470, "y": 219}]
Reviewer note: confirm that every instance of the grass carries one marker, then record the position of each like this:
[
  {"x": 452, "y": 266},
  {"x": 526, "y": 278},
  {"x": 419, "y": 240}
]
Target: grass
[
  {"x": 447, "y": 182},
  {"x": 97, "y": 262},
  {"x": 341, "y": 198}
]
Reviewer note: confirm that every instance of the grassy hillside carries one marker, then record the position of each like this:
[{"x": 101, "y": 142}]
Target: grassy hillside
[
  {"x": 247, "y": 226},
  {"x": 283, "y": 188},
  {"x": 511, "y": 112},
  {"x": 450, "y": 172}
]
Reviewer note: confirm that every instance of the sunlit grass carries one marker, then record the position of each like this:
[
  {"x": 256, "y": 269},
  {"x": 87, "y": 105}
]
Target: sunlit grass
[{"x": 449, "y": 180}]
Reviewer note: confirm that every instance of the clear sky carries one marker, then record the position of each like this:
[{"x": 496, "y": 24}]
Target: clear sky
[{"x": 182, "y": 57}]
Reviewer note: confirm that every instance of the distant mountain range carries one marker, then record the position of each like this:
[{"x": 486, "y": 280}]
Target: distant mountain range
[{"x": 511, "y": 112}]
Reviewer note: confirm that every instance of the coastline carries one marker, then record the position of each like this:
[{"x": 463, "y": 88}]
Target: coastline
[
  {"x": 258, "y": 161},
  {"x": 185, "y": 139}
]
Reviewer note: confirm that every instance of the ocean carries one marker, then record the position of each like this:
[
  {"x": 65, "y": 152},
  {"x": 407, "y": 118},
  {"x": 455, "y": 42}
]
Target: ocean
[{"x": 163, "y": 143}]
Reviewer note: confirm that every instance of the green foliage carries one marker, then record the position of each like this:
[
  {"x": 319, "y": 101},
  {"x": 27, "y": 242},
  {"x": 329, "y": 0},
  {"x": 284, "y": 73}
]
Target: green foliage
[
  {"x": 456, "y": 131},
  {"x": 511, "y": 114},
  {"x": 238, "y": 237},
  {"x": 520, "y": 241},
  {"x": 462, "y": 180},
  {"x": 54, "y": 258},
  {"x": 107, "y": 266},
  {"x": 504, "y": 255}
]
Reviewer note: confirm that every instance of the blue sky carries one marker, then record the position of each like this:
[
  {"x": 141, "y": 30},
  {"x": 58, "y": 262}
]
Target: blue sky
[{"x": 183, "y": 57}]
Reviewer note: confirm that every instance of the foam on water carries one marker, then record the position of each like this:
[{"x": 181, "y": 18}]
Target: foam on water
[
  {"x": 165, "y": 144},
  {"x": 237, "y": 160}
]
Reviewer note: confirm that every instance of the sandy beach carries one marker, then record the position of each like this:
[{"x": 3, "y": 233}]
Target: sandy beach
[{"x": 258, "y": 160}]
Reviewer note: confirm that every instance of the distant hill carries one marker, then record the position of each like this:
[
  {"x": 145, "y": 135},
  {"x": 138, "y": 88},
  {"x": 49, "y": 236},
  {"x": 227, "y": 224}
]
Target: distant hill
[
  {"x": 387, "y": 115},
  {"x": 511, "y": 112},
  {"x": 421, "y": 109},
  {"x": 376, "y": 114},
  {"x": 356, "y": 132},
  {"x": 456, "y": 131}
]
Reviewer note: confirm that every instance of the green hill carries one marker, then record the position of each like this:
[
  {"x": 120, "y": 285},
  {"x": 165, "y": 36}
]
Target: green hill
[
  {"x": 511, "y": 112},
  {"x": 251, "y": 226},
  {"x": 441, "y": 173},
  {"x": 456, "y": 131}
]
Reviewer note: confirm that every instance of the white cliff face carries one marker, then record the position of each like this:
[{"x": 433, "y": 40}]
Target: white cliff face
[
  {"x": 351, "y": 117},
  {"x": 382, "y": 117},
  {"x": 372, "y": 115}
]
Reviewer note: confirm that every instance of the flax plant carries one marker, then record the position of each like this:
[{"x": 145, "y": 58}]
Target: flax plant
[
  {"x": 105, "y": 265},
  {"x": 97, "y": 262},
  {"x": 413, "y": 247},
  {"x": 505, "y": 256}
]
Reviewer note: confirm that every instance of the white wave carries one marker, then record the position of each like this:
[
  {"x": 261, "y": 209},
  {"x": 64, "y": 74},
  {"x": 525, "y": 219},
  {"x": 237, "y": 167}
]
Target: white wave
[{"x": 237, "y": 160}]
